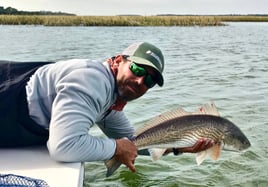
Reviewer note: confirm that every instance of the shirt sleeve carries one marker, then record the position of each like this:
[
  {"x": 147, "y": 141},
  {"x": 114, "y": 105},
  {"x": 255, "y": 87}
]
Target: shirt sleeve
[
  {"x": 81, "y": 97},
  {"x": 116, "y": 125}
]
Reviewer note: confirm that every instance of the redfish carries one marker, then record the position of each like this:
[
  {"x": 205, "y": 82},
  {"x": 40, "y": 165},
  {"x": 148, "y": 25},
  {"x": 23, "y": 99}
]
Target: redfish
[{"x": 179, "y": 128}]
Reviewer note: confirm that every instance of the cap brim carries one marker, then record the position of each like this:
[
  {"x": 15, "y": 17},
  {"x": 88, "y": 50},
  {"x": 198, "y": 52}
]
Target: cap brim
[{"x": 142, "y": 61}]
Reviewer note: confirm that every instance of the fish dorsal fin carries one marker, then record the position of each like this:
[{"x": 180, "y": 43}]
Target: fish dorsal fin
[
  {"x": 206, "y": 109},
  {"x": 162, "y": 118},
  {"x": 209, "y": 109}
]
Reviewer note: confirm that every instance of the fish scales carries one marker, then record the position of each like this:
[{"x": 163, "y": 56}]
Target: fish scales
[
  {"x": 179, "y": 128},
  {"x": 187, "y": 127}
]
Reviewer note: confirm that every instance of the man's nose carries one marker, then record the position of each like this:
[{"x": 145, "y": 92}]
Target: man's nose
[{"x": 140, "y": 80}]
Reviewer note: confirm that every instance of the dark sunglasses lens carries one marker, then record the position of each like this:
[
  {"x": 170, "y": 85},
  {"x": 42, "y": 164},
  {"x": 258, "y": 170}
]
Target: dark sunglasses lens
[
  {"x": 137, "y": 70},
  {"x": 149, "y": 82},
  {"x": 140, "y": 71}
]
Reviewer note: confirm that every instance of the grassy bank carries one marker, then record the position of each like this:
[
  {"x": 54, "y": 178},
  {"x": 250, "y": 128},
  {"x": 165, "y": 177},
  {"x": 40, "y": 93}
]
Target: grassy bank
[
  {"x": 124, "y": 20},
  {"x": 243, "y": 18}
]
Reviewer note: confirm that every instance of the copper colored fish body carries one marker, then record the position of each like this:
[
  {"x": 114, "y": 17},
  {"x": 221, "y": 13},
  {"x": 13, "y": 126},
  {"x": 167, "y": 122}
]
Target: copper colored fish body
[{"x": 178, "y": 128}]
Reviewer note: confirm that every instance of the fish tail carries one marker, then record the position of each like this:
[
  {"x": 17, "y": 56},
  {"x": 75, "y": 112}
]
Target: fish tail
[{"x": 112, "y": 165}]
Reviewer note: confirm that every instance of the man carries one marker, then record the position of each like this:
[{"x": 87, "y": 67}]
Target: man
[{"x": 58, "y": 103}]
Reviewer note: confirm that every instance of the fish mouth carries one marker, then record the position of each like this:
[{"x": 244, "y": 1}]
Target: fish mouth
[
  {"x": 246, "y": 144},
  {"x": 236, "y": 148}
]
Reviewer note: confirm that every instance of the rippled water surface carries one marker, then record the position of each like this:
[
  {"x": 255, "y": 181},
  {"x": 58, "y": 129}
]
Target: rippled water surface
[{"x": 227, "y": 65}]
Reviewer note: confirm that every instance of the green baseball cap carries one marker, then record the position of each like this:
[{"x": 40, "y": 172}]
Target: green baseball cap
[{"x": 147, "y": 54}]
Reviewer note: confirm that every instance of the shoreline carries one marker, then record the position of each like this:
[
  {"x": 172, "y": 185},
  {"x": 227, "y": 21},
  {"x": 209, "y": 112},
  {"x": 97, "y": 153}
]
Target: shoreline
[{"x": 125, "y": 20}]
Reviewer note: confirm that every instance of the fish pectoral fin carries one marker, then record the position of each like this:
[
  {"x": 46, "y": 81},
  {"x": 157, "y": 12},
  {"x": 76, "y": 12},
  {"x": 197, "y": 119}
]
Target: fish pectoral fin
[
  {"x": 215, "y": 151},
  {"x": 200, "y": 157},
  {"x": 156, "y": 153}
]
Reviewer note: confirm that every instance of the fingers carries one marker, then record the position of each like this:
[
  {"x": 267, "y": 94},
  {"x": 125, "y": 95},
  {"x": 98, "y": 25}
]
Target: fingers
[
  {"x": 130, "y": 163},
  {"x": 126, "y": 153},
  {"x": 207, "y": 143},
  {"x": 131, "y": 166},
  {"x": 201, "y": 145}
]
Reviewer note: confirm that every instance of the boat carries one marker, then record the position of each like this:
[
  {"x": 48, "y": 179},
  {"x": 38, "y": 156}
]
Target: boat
[{"x": 34, "y": 163}]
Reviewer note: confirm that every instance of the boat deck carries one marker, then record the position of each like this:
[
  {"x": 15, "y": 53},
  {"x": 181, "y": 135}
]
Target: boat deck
[{"x": 35, "y": 162}]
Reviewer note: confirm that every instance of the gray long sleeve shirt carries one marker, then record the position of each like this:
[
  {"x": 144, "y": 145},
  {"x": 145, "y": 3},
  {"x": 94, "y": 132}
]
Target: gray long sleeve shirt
[{"x": 68, "y": 98}]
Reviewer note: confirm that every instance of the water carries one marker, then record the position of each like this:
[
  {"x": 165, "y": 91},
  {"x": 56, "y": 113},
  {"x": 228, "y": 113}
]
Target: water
[{"x": 227, "y": 65}]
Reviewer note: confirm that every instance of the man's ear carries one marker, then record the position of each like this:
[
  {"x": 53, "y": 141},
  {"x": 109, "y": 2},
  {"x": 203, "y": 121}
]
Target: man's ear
[
  {"x": 118, "y": 59},
  {"x": 114, "y": 63}
]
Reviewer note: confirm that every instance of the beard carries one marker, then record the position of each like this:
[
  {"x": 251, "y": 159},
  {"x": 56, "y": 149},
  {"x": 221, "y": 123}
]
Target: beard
[{"x": 128, "y": 90}]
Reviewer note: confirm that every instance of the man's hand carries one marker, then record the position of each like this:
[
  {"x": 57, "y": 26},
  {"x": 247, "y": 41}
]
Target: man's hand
[
  {"x": 201, "y": 145},
  {"x": 126, "y": 153}
]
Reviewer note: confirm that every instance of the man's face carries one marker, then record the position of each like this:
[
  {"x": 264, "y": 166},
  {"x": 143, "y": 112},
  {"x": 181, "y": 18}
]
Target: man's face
[{"x": 129, "y": 85}]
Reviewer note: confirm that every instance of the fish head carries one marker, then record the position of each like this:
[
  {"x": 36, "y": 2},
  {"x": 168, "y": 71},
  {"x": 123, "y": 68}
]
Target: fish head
[{"x": 235, "y": 140}]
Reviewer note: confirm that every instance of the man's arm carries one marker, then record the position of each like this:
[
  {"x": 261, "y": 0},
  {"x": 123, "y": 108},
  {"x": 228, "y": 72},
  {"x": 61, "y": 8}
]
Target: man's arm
[
  {"x": 75, "y": 108},
  {"x": 117, "y": 126}
]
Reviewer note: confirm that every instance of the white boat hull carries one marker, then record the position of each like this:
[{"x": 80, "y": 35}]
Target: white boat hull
[{"x": 35, "y": 162}]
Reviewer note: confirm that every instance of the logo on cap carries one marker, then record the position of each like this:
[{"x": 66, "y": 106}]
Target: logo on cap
[{"x": 149, "y": 52}]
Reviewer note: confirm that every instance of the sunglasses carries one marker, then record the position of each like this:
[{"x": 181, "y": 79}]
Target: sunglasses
[{"x": 139, "y": 72}]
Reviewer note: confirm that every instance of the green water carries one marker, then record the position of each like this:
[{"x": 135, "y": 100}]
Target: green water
[{"x": 227, "y": 65}]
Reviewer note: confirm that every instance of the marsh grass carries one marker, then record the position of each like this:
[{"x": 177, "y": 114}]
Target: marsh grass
[
  {"x": 109, "y": 20},
  {"x": 123, "y": 20},
  {"x": 248, "y": 18}
]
